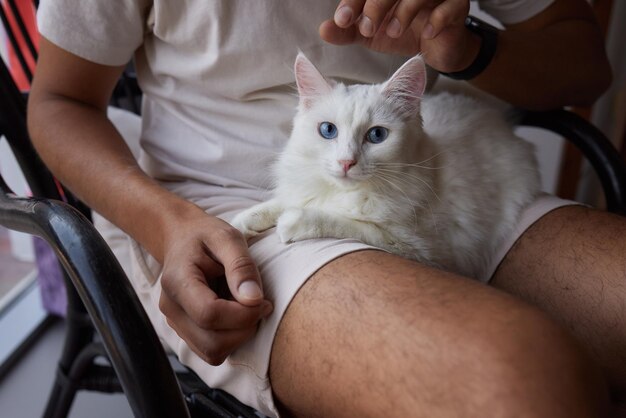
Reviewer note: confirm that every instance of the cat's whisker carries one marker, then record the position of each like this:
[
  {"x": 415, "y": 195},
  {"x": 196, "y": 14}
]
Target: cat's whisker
[
  {"x": 420, "y": 163},
  {"x": 412, "y": 176},
  {"x": 393, "y": 182},
  {"x": 391, "y": 177},
  {"x": 435, "y": 155},
  {"x": 412, "y": 204},
  {"x": 407, "y": 165}
]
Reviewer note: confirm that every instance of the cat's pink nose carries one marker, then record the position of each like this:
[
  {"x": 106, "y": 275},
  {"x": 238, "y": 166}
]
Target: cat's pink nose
[{"x": 346, "y": 164}]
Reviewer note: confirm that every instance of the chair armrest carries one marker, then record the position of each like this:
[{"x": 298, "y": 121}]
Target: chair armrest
[
  {"x": 598, "y": 150},
  {"x": 127, "y": 334}
]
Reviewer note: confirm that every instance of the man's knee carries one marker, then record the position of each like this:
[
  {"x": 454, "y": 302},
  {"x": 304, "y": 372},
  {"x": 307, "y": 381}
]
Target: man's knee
[{"x": 535, "y": 368}]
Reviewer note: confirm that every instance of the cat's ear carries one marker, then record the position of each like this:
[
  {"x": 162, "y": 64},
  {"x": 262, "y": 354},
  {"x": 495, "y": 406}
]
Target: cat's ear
[
  {"x": 406, "y": 86},
  {"x": 310, "y": 81}
]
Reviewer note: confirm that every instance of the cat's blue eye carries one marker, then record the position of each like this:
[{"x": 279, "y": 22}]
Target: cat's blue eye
[
  {"x": 377, "y": 134},
  {"x": 327, "y": 130}
]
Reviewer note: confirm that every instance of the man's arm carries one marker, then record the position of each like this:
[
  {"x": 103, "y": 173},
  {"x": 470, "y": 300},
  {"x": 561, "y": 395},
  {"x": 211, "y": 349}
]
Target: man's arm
[
  {"x": 68, "y": 125},
  {"x": 553, "y": 59}
]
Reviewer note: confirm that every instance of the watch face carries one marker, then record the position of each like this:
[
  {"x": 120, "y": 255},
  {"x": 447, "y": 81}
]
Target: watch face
[{"x": 477, "y": 25}]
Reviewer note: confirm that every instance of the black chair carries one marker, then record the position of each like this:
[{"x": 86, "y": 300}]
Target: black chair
[
  {"x": 104, "y": 317},
  {"x": 597, "y": 149}
]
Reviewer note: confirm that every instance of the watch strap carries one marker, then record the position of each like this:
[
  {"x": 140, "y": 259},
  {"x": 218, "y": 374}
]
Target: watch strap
[{"x": 489, "y": 42}]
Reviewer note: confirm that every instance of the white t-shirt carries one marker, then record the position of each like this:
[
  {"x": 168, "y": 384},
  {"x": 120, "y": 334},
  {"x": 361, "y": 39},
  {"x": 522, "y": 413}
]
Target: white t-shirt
[{"x": 217, "y": 76}]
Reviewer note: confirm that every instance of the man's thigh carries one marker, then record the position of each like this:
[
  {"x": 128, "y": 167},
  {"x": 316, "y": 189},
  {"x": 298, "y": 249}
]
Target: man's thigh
[
  {"x": 371, "y": 334},
  {"x": 572, "y": 264}
]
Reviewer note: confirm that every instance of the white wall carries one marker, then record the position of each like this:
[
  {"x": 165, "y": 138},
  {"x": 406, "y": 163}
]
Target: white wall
[
  {"x": 609, "y": 113},
  {"x": 21, "y": 244}
]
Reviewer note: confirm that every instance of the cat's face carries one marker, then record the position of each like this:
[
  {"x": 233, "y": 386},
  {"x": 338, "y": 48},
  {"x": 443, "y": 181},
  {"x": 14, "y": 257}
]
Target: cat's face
[{"x": 351, "y": 134}]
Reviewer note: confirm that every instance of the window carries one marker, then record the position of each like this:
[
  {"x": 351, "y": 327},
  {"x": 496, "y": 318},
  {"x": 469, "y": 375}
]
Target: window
[{"x": 21, "y": 312}]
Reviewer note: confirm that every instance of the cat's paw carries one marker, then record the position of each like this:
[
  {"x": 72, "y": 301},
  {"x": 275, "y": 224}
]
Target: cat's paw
[
  {"x": 291, "y": 227},
  {"x": 251, "y": 223},
  {"x": 243, "y": 224}
]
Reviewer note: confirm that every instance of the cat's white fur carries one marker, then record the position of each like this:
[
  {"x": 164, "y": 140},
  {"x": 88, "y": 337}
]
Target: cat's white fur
[{"x": 444, "y": 188}]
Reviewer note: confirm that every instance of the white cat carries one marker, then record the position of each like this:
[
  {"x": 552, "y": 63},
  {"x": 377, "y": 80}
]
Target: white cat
[{"x": 438, "y": 178}]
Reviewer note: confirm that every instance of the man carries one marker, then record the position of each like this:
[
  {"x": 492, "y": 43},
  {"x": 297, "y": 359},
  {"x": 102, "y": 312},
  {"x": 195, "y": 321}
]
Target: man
[{"x": 333, "y": 328}]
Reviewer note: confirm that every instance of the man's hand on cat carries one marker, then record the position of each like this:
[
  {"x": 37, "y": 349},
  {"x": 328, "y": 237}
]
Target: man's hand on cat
[
  {"x": 434, "y": 28},
  {"x": 213, "y": 314}
]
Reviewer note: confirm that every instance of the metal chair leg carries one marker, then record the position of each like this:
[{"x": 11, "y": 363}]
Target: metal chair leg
[{"x": 79, "y": 335}]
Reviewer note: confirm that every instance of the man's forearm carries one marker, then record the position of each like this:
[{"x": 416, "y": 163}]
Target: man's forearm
[
  {"x": 85, "y": 151},
  {"x": 565, "y": 61}
]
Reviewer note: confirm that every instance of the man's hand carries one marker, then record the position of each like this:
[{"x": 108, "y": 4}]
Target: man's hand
[
  {"x": 212, "y": 313},
  {"x": 433, "y": 27}
]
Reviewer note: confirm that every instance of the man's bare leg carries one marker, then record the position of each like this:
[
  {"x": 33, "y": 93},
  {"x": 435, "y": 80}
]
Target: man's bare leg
[
  {"x": 572, "y": 264},
  {"x": 371, "y": 334}
]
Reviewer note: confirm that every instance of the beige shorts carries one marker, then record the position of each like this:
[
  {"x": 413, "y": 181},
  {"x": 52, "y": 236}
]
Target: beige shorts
[{"x": 284, "y": 269}]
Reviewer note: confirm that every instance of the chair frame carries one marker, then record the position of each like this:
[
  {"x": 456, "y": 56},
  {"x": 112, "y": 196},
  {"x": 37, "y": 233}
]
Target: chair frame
[{"x": 594, "y": 145}]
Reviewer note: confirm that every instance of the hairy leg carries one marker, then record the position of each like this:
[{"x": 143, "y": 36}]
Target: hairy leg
[
  {"x": 372, "y": 334},
  {"x": 572, "y": 264}
]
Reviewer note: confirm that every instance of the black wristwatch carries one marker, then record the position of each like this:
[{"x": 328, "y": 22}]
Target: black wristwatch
[{"x": 489, "y": 42}]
